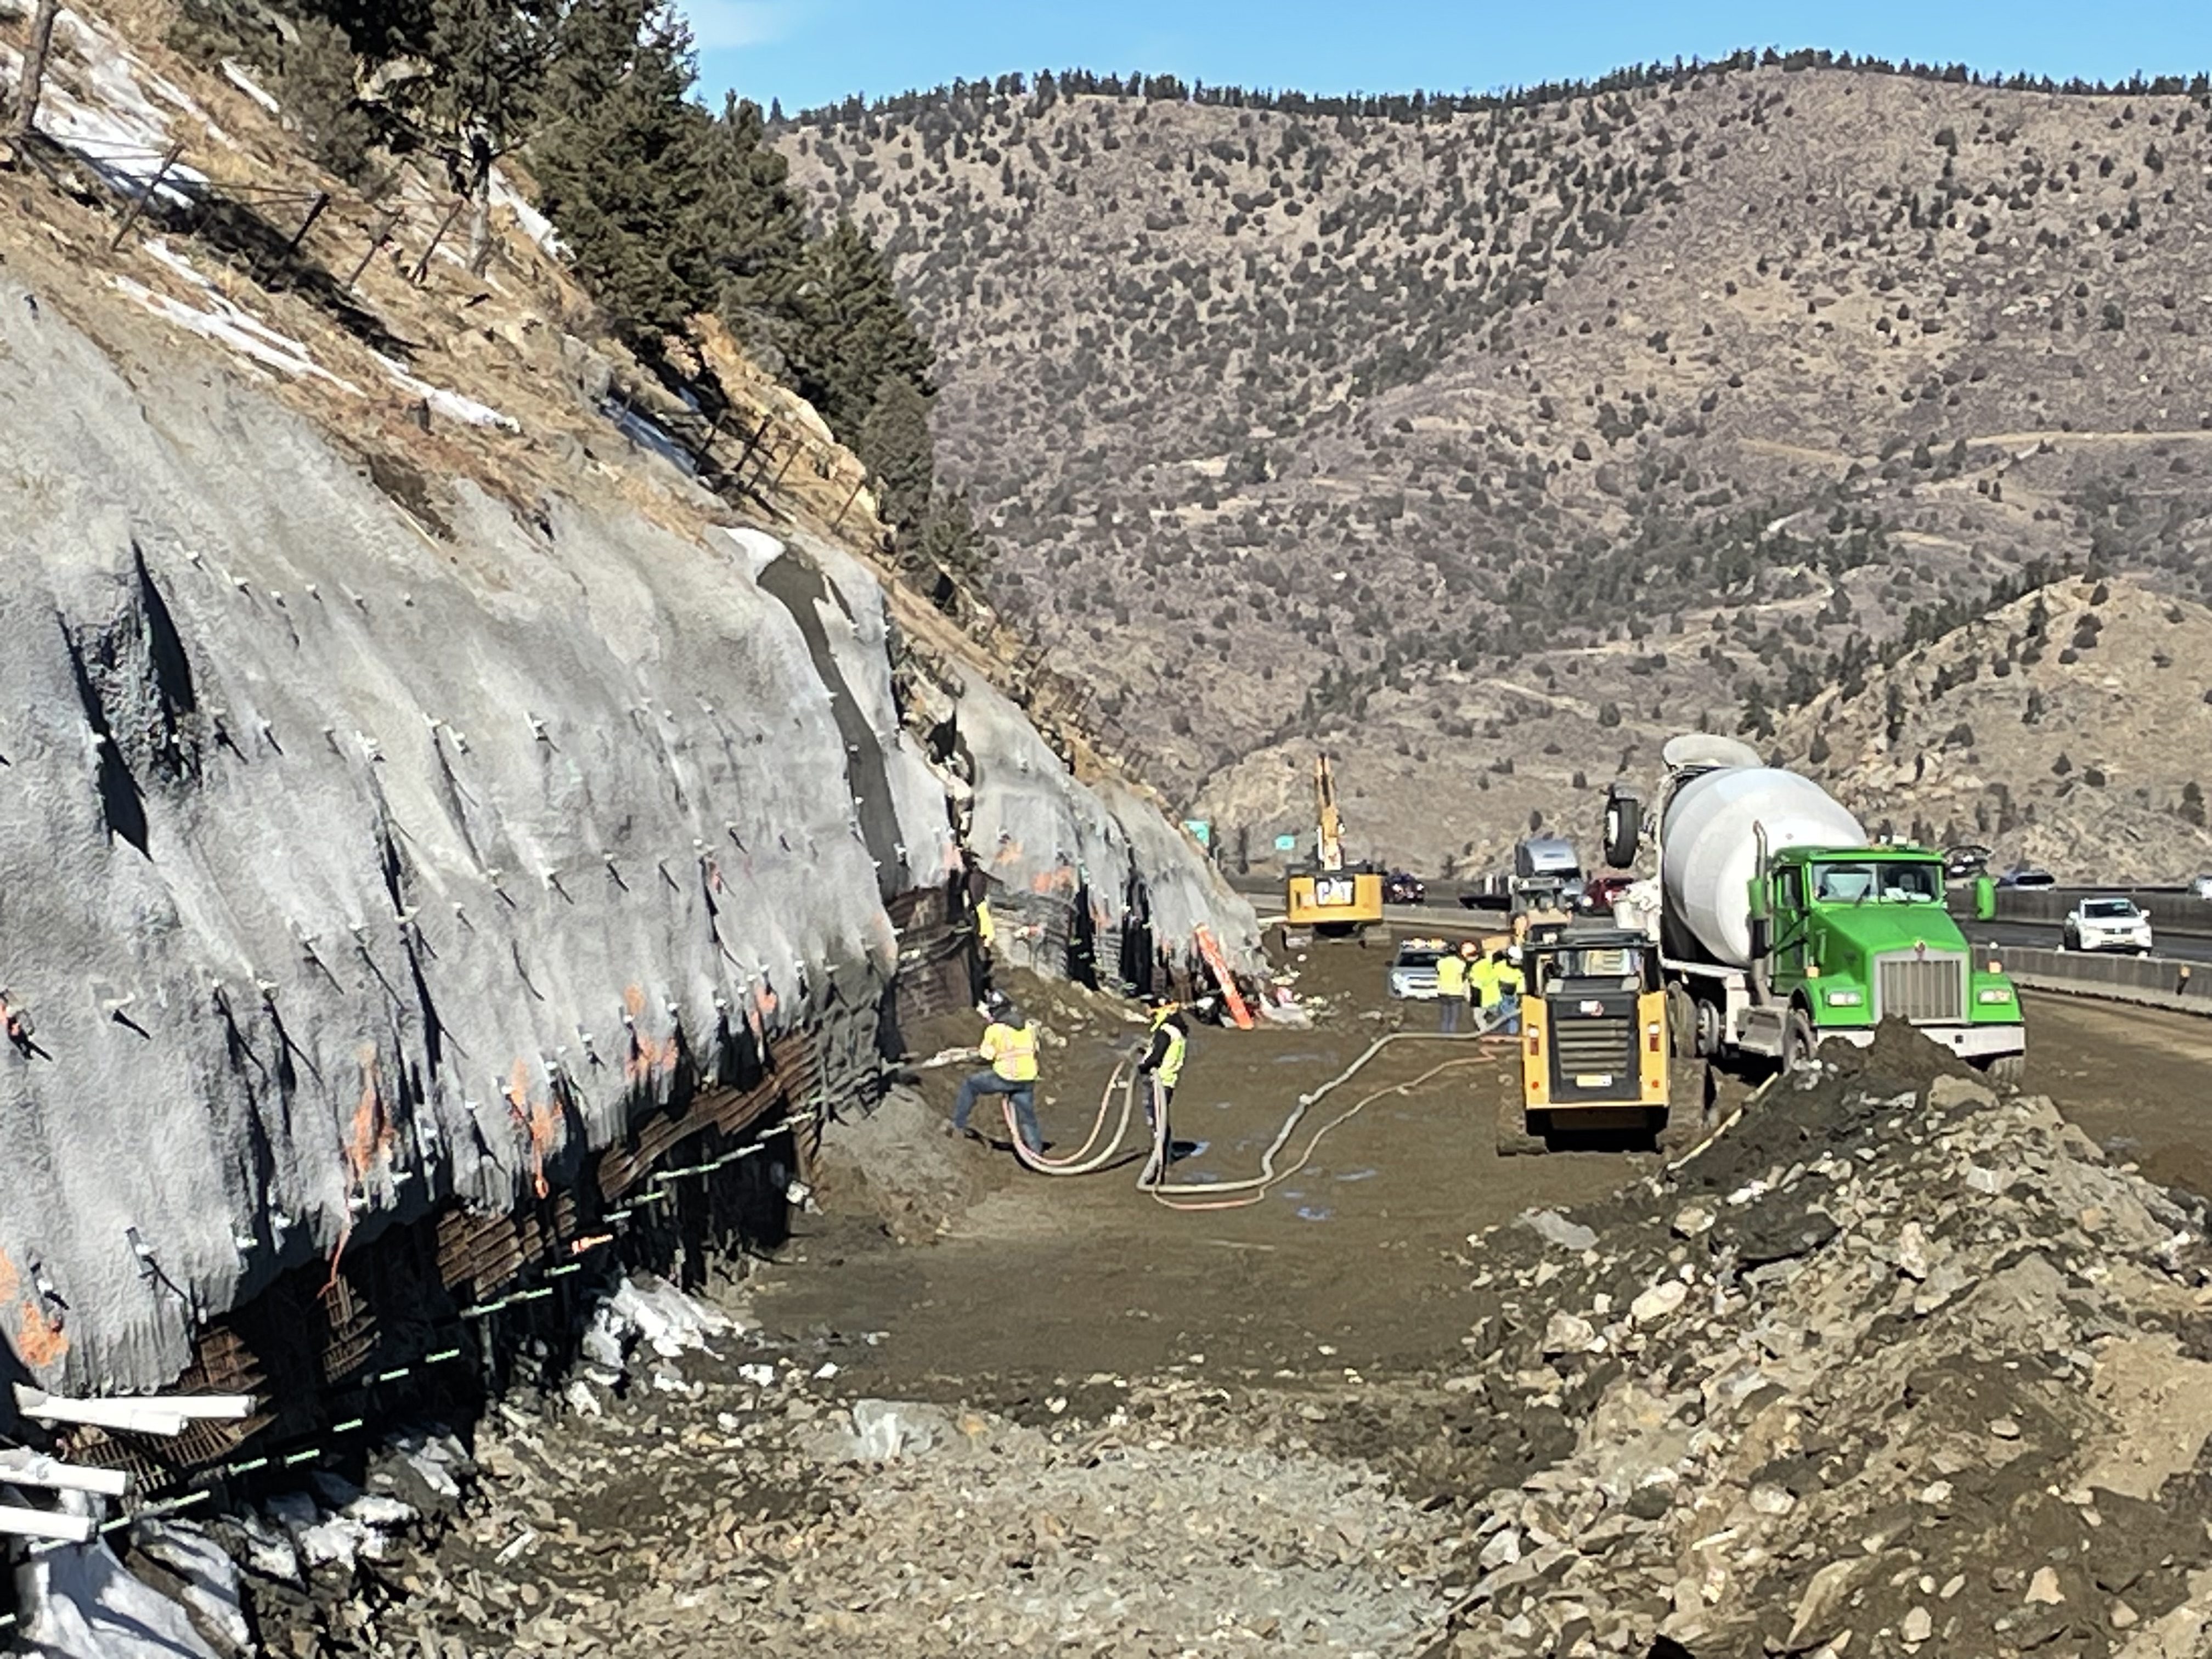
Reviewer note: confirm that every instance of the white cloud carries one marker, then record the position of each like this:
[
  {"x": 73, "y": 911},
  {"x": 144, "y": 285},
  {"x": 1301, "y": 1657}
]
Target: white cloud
[{"x": 733, "y": 25}]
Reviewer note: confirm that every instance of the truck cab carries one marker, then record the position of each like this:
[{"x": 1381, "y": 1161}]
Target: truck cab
[{"x": 1855, "y": 935}]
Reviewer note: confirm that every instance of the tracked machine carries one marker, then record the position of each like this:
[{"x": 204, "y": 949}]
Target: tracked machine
[{"x": 1596, "y": 1054}]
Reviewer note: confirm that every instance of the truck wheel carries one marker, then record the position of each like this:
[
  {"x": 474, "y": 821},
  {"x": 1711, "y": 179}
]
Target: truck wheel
[
  {"x": 1513, "y": 1140},
  {"x": 2008, "y": 1069},
  {"x": 1798, "y": 1042},
  {"x": 1682, "y": 1021}
]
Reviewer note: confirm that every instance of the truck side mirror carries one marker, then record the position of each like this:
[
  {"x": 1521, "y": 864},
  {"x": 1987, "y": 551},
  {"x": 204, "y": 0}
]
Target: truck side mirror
[{"x": 1762, "y": 936}]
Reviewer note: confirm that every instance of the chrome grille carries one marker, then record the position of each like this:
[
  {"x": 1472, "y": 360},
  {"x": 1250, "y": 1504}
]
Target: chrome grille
[{"x": 1926, "y": 990}]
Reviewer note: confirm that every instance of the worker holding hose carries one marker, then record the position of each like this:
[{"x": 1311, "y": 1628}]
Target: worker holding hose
[
  {"x": 1009, "y": 1046},
  {"x": 1164, "y": 1055}
]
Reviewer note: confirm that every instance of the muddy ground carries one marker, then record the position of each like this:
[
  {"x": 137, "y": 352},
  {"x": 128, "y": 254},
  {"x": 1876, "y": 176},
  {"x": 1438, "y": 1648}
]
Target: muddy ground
[
  {"x": 1880, "y": 1362},
  {"x": 1044, "y": 1277}
]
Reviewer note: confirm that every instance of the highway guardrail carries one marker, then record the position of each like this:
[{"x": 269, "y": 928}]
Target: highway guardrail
[
  {"x": 2150, "y": 982},
  {"x": 2170, "y": 910}
]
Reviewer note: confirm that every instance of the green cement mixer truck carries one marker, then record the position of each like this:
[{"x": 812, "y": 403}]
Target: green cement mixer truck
[{"x": 1781, "y": 926}]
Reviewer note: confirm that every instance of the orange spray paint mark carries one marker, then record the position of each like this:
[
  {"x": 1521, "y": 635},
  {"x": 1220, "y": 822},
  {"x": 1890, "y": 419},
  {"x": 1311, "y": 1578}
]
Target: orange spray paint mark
[
  {"x": 647, "y": 1055},
  {"x": 539, "y": 1120},
  {"x": 35, "y": 1335}
]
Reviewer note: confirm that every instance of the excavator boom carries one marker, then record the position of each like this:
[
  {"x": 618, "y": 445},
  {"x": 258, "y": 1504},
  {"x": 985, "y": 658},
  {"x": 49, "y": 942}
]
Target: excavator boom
[{"x": 1330, "y": 895}]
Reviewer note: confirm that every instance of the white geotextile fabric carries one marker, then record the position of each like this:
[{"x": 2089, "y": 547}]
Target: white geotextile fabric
[{"x": 326, "y": 846}]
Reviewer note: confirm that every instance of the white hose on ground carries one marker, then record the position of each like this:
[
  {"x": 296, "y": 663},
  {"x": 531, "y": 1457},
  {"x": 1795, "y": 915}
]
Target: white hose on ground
[
  {"x": 1230, "y": 1194},
  {"x": 1082, "y": 1160}
]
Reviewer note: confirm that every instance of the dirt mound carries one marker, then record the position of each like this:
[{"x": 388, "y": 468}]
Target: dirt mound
[{"x": 901, "y": 1168}]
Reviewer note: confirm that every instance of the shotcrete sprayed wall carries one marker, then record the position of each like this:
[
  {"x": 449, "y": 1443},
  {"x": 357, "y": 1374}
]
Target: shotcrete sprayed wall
[
  {"x": 1059, "y": 853},
  {"x": 344, "y": 870}
]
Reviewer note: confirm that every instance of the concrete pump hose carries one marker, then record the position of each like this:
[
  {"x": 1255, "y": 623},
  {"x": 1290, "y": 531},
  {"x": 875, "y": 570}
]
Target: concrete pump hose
[
  {"x": 1255, "y": 1189},
  {"x": 1221, "y": 1194},
  {"x": 1084, "y": 1160}
]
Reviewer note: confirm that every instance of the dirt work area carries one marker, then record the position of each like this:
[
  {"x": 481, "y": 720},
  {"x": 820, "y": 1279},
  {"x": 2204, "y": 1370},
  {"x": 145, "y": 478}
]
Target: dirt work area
[
  {"x": 1892, "y": 1366},
  {"x": 1033, "y": 1280}
]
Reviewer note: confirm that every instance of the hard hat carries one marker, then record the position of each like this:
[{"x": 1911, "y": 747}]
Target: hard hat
[{"x": 1513, "y": 953}]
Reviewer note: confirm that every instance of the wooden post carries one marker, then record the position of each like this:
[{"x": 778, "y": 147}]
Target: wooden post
[
  {"x": 32, "y": 85},
  {"x": 853, "y": 496},
  {"x": 713, "y": 431},
  {"x": 383, "y": 234},
  {"x": 314, "y": 212},
  {"x": 423, "y": 266},
  {"x": 752, "y": 443},
  {"x": 138, "y": 202}
]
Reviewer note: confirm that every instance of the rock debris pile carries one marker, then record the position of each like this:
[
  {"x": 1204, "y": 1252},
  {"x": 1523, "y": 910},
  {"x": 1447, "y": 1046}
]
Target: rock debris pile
[
  {"x": 1894, "y": 1367},
  {"x": 748, "y": 1507}
]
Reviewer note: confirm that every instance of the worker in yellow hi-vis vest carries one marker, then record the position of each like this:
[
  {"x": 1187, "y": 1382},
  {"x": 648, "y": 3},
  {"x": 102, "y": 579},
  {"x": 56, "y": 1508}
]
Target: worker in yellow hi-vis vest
[
  {"x": 1010, "y": 1047},
  {"x": 1165, "y": 1053},
  {"x": 1451, "y": 990}
]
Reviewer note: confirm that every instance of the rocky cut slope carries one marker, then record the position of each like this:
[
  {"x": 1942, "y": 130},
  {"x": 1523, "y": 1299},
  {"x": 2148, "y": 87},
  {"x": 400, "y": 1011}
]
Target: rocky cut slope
[
  {"x": 410, "y": 775},
  {"x": 1586, "y": 416}
]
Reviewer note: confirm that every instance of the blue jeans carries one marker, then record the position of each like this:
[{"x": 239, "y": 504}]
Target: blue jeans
[
  {"x": 1022, "y": 1095},
  {"x": 1449, "y": 1004},
  {"x": 1509, "y": 1006}
]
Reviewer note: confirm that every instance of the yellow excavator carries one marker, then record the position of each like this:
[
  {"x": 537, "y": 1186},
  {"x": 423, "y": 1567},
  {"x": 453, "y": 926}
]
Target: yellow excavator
[{"x": 1328, "y": 895}]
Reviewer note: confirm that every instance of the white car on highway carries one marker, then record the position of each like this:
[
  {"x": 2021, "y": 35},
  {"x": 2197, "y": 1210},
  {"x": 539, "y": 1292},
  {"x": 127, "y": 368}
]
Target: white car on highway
[
  {"x": 2108, "y": 924},
  {"x": 1413, "y": 970}
]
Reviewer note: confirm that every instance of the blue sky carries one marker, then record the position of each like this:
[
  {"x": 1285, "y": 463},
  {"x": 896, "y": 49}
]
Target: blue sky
[{"x": 814, "y": 51}]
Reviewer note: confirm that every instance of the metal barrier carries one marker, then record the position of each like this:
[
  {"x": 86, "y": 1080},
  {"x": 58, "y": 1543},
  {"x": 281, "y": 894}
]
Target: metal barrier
[
  {"x": 2149, "y": 981},
  {"x": 2171, "y": 911}
]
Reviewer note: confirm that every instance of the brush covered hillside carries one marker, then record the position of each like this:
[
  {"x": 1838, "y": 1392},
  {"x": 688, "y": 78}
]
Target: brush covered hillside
[
  {"x": 2069, "y": 729},
  {"x": 1489, "y": 447}
]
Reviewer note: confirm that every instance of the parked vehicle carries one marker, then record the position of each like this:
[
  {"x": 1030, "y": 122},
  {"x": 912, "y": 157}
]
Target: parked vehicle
[
  {"x": 1600, "y": 892},
  {"x": 1547, "y": 875},
  {"x": 2027, "y": 875},
  {"x": 1780, "y": 928},
  {"x": 1964, "y": 863},
  {"x": 1413, "y": 970},
  {"x": 2107, "y": 923},
  {"x": 1399, "y": 887}
]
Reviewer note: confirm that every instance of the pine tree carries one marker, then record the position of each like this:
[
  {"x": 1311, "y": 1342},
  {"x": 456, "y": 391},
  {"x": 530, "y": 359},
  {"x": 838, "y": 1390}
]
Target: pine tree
[
  {"x": 619, "y": 160},
  {"x": 1757, "y": 720},
  {"x": 488, "y": 62},
  {"x": 894, "y": 444},
  {"x": 854, "y": 332},
  {"x": 950, "y": 538},
  {"x": 745, "y": 245}
]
